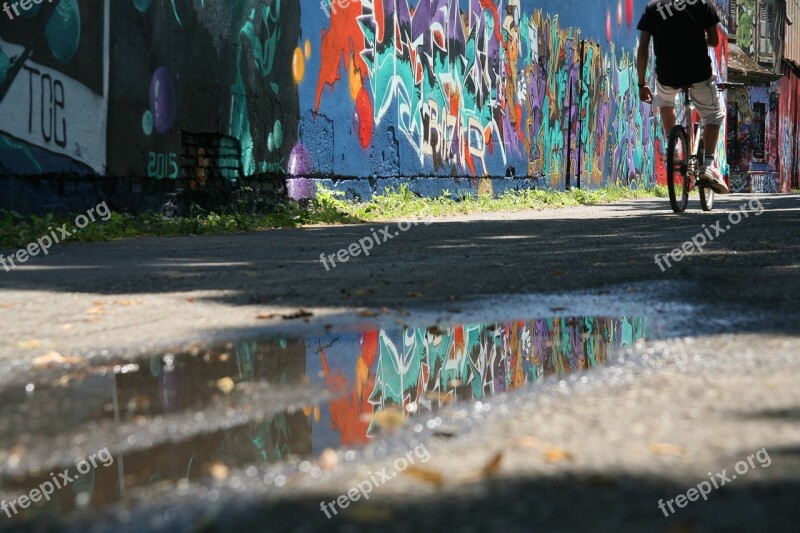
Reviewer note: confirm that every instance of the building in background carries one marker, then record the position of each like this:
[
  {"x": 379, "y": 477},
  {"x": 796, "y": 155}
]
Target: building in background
[
  {"x": 789, "y": 102},
  {"x": 762, "y": 116}
]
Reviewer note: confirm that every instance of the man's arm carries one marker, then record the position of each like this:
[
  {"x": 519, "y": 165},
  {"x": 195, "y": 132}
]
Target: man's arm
[
  {"x": 642, "y": 57},
  {"x": 712, "y": 35}
]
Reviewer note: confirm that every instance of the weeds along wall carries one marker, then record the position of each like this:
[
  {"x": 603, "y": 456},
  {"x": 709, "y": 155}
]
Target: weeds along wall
[{"x": 142, "y": 97}]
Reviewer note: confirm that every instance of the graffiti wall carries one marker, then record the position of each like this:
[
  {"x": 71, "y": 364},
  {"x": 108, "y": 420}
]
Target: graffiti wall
[
  {"x": 442, "y": 87},
  {"x": 210, "y": 92},
  {"x": 754, "y": 161},
  {"x": 789, "y": 119},
  {"x": 54, "y": 88},
  {"x": 204, "y": 92}
]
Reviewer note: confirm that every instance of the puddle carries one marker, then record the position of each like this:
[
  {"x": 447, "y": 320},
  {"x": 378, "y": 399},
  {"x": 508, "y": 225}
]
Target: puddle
[{"x": 198, "y": 412}]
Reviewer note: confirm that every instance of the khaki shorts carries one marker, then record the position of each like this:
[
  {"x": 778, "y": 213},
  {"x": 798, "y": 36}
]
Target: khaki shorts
[{"x": 705, "y": 98}]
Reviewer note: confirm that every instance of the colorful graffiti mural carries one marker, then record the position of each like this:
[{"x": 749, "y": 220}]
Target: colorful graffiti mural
[
  {"x": 788, "y": 145},
  {"x": 210, "y": 97},
  {"x": 475, "y": 90},
  {"x": 207, "y": 92}
]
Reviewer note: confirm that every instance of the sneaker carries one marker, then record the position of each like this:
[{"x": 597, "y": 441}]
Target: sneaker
[{"x": 710, "y": 177}]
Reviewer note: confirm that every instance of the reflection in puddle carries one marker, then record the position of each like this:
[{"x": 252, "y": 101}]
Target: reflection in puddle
[{"x": 370, "y": 379}]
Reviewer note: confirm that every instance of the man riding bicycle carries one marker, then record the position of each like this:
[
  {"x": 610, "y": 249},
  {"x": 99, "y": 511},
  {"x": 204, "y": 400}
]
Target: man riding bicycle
[{"x": 682, "y": 31}]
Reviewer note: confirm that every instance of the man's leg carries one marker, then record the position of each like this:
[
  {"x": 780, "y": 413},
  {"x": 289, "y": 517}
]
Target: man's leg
[
  {"x": 710, "y": 138},
  {"x": 709, "y": 105},
  {"x": 668, "y": 118}
]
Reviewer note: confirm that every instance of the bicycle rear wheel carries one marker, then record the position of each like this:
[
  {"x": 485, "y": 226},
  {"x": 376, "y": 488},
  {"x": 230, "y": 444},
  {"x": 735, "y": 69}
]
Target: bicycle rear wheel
[
  {"x": 706, "y": 193},
  {"x": 677, "y": 168}
]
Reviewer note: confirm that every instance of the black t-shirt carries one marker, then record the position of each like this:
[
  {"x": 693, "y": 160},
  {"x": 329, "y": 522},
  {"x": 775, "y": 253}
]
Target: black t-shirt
[{"x": 679, "y": 39}]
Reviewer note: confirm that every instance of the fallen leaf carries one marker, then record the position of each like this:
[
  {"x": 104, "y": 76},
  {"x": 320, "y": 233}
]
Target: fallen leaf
[
  {"x": 493, "y": 465},
  {"x": 266, "y": 316},
  {"x": 138, "y": 403},
  {"x": 368, "y": 514},
  {"x": 367, "y": 313},
  {"x": 218, "y": 471},
  {"x": 30, "y": 344},
  {"x": 389, "y": 418},
  {"x": 97, "y": 310},
  {"x": 328, "y": 460},
  {"x": 52, "y": 359},
  {"x": 445, "y": 432},
  {"x": 555, "y": 455},
  {"x": 530, "y": 442},
  {"x": 226, "y": 385},
  {"x": 423, "y": 474},
  {"x": 683, "y": 527},
  {"x": 361, "y": 292},
  {"x": 191, "y": 300},
  {"x": 300, "y": 313},
  {"x": 599, "y": 480},
  {"x": 127, "y": 303},
  {"x": 665, "y": 448}
]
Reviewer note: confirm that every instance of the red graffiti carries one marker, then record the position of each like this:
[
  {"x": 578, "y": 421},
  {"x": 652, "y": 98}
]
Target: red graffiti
[
  {"x": 343, "y": 38},
  {"x": 365, "y": 122},
  {"x": 348, "y": 414},
  {"x": 489, "y": 4}
]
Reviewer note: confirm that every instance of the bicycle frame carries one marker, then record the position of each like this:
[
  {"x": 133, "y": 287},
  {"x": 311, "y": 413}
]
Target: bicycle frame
[
  {"x": 695, "y": 132},
  {"x": 688, "y": 134}
]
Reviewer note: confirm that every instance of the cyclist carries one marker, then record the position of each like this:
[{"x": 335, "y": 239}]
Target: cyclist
[{"x": 682, "y": 31}]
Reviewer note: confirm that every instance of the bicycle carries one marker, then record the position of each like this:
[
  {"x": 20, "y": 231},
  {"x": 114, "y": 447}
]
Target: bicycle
[{"x": 688, "y": 162}]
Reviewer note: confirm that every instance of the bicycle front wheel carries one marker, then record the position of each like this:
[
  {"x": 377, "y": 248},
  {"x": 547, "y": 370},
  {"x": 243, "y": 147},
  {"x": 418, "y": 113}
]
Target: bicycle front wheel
[{"x": 678, "y": 168}]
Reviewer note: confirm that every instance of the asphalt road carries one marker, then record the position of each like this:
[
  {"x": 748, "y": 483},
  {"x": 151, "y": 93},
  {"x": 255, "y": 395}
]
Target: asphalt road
[{"x": 718, "y": 383}]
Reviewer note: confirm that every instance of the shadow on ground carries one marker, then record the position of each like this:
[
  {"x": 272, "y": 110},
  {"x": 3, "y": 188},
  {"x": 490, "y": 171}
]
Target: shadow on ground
[{"x": 754, "y": 264}]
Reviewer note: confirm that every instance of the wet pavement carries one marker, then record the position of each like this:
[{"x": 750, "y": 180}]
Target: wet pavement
[
  {"x": 517, "y": 388},
  {"x": 184, "y": 414}
]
